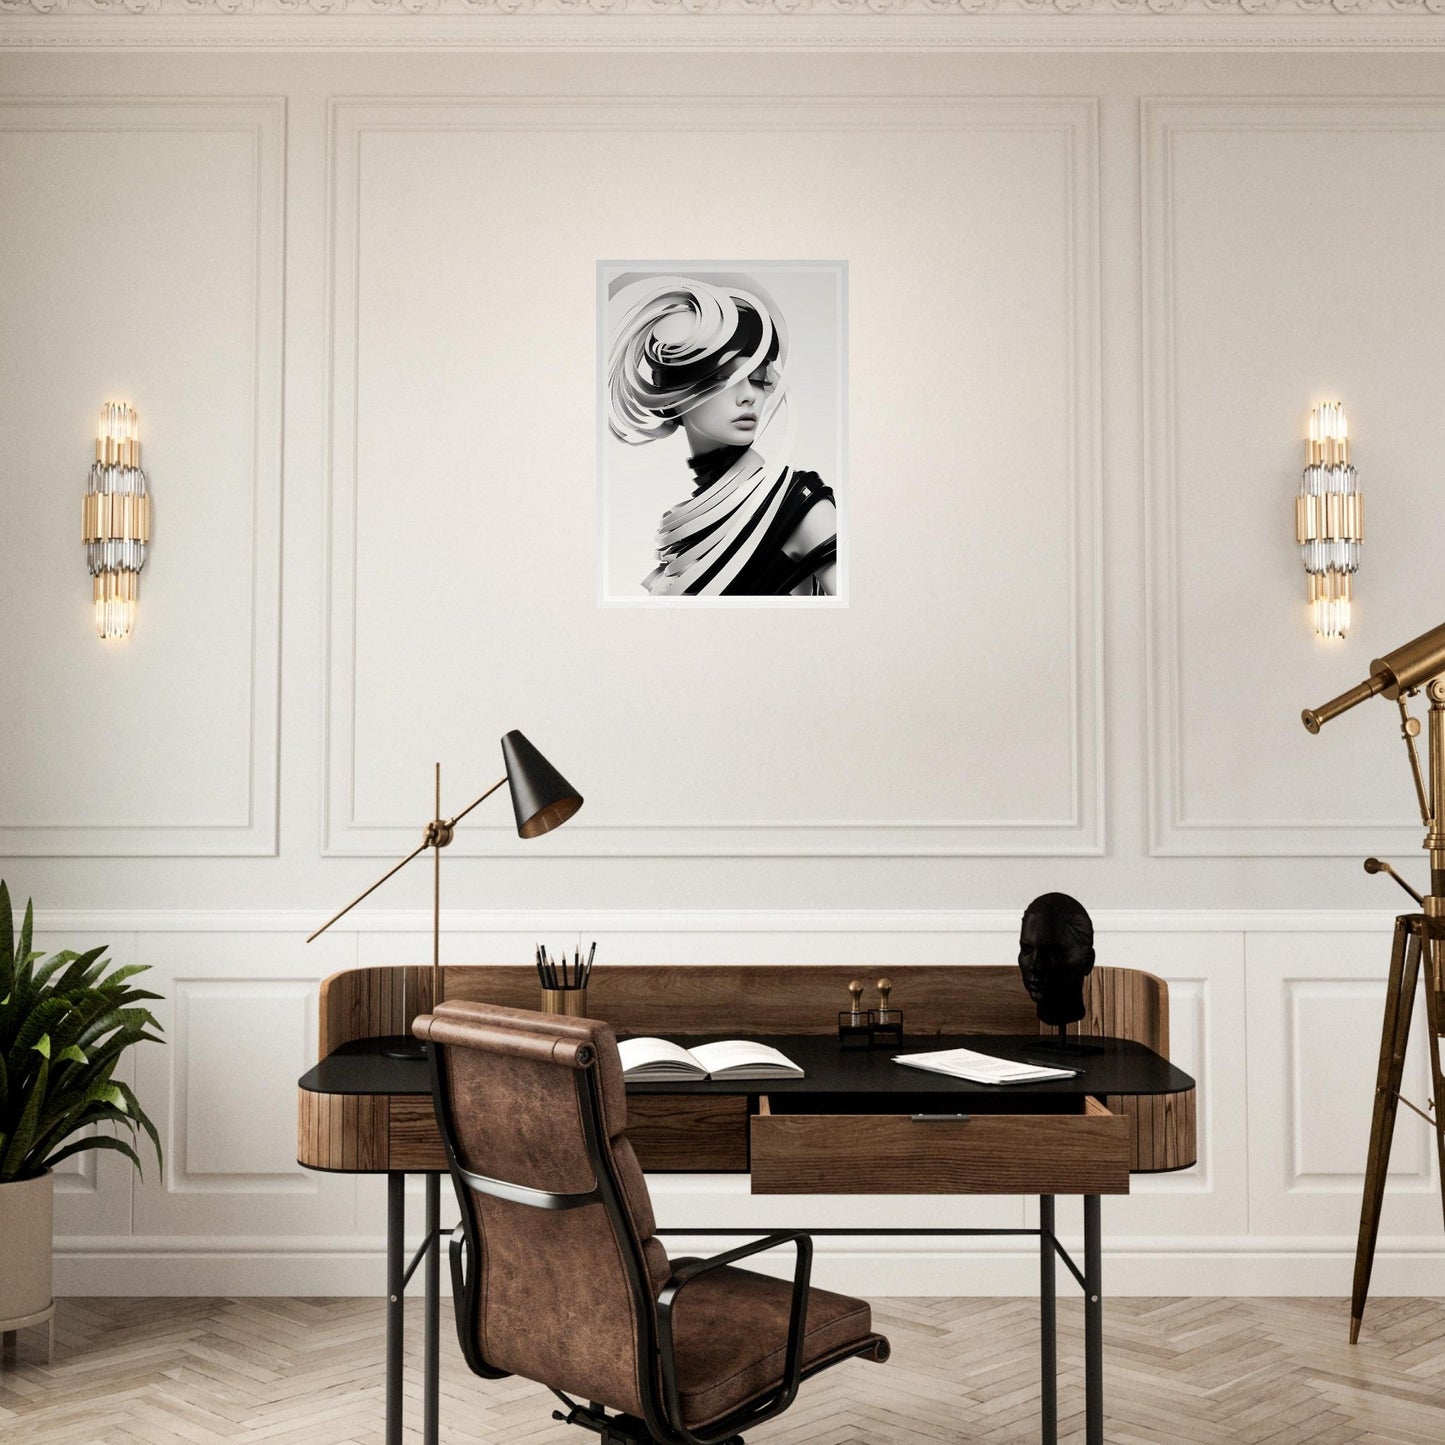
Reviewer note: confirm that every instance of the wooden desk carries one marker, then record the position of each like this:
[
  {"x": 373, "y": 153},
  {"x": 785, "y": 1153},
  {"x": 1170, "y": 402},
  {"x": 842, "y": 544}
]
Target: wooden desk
[{"x": 847, "y": 1127}]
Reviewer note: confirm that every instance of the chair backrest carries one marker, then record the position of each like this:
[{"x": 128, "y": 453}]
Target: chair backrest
[{"x": 532, "y": 1109}]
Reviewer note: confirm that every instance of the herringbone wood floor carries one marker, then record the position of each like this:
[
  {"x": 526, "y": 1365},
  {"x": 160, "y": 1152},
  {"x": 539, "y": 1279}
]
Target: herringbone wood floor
[{"x": 1180, "y": 1372}]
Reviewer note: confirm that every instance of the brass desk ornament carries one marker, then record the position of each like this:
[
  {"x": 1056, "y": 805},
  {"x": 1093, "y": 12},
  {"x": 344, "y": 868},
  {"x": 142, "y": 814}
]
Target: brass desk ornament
[
  {"x": 1398, "y": 676},
  {"x": 885, "y": 1023},
  {"x": 853, "y": 1032}
]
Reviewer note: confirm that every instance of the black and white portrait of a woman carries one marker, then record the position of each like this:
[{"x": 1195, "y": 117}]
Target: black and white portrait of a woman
[{"x": 721, "y": 457}]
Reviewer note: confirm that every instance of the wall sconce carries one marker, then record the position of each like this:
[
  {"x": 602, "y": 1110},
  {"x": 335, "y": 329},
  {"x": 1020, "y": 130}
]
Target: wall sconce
[
  {"x": 1329, "y": 519},
  {"x": 117, "y": 519}
]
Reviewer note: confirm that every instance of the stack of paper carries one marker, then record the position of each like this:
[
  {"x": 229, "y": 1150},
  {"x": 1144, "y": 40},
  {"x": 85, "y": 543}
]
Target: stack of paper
[{"x": 981, "y": 1068}]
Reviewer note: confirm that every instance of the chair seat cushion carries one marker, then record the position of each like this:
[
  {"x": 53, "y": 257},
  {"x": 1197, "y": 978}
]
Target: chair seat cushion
[{"x": 730, "y": 1333}]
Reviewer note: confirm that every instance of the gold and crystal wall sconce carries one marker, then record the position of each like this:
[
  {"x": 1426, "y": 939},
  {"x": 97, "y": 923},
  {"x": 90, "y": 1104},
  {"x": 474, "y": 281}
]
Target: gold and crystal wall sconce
[
  {"x": 117, "y": 520},
  {"x": 1329, "y": 519}
]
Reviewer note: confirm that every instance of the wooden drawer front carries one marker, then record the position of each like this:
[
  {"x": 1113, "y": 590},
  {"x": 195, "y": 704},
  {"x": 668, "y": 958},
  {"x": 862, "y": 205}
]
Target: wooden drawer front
[
  {"x": 682, "y": 1132},
  {"x": 1078, "y": 1153}
]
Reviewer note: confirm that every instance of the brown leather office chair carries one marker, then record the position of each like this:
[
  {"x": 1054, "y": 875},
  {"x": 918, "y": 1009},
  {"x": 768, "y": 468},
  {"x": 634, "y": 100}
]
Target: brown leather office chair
[{"x": 556, "y": 1273}]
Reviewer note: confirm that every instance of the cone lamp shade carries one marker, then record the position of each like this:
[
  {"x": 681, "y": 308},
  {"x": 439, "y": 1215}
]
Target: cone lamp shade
[{"x": 542, "y": 798}]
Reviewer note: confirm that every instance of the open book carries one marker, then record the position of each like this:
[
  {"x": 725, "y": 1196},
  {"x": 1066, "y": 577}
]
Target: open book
[
  {"x": 656, "y": 1061},
  {"x": 981, "y": 1068}
]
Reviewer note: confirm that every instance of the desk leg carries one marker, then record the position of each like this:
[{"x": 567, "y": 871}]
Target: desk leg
[
  {"x": 433, "y": 1306},
  {"x": 1093, "y": 1325},
  {"x": 1048, "y": 1328},
  {"x": 395, "y": 1300}
]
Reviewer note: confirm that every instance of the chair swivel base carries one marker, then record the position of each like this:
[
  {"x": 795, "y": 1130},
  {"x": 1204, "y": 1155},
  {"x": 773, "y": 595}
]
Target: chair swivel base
[{"x": 614, "y": 1429}]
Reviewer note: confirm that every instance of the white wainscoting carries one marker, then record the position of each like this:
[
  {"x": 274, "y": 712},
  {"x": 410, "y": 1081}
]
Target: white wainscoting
[{"x": 1276, "y": 1014}]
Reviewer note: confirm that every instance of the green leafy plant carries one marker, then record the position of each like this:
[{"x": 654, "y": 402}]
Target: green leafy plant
[{"x": 64, "y": 1025}]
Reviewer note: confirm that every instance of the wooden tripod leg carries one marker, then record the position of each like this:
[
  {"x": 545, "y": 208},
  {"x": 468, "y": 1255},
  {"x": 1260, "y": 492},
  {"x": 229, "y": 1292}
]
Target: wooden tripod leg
[
  {"x": 1435, "y": 961},
  {"x": 1394, "y": 1035}
]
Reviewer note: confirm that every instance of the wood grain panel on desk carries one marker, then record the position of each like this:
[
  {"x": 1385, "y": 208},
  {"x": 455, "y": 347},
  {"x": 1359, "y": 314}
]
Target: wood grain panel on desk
[
  {"x": 728, "y": 999},
  {"x": 689, "y": 1132},
  {"x": 342, "y": 1131},
  {"x": 416, "y": 1142},
  {"x": 1162, "y": 1129}
]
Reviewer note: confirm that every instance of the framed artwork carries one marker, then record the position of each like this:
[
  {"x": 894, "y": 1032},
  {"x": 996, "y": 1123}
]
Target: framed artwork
[{"x": 721, "y": 460}]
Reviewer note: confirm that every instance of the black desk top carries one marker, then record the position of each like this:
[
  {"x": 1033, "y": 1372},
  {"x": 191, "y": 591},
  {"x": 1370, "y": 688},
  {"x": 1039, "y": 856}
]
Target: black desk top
[{"x": 1106, "y": 1066}]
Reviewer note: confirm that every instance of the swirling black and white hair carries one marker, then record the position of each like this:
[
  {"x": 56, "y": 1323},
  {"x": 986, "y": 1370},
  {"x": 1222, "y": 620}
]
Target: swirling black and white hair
[{"x": 678, "y": 340}]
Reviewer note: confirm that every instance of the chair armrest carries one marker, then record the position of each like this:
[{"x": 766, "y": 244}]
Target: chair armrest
[
  {"x": 685, "y": 1274},
  {"x": 455, "y": 1251}
]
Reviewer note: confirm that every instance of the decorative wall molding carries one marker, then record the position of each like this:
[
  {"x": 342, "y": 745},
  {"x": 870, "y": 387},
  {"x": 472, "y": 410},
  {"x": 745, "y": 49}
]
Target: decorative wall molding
[
  {"x": 1172, "y": 832},
  {"x": 613, "y": 923},
  {"x": 1314, "y": 9},
  {"x": 1075, "y": 123},
  {"x": 263, "y": 120},
  {"x": 680, "y": 25}
]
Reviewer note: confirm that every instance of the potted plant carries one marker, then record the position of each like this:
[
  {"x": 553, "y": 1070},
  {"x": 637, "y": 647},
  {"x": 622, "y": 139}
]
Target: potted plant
[{"x": 64, "y": 1024}]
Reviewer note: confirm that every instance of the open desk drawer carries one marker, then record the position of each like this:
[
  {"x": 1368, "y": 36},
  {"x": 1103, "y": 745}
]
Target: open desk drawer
[{"x": 1078, "y": 1147}]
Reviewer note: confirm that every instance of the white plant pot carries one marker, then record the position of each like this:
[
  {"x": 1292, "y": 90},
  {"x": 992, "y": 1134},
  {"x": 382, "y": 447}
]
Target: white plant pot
[{"x": 26, "y": 1234}]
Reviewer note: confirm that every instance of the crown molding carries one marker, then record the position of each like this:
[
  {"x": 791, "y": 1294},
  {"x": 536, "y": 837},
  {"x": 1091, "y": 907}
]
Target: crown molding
[
  {"x": 864, "y": 11},
  {"x": 724, "y": 24}
]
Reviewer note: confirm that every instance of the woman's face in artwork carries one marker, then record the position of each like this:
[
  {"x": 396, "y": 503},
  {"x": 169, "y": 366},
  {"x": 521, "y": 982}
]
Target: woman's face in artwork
[{"x": 730, "y": 418}]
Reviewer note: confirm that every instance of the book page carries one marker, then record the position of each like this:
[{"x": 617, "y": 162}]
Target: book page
[
  {"x": 740, "y": 1053},
  {"x": 642, "y": 1053}
]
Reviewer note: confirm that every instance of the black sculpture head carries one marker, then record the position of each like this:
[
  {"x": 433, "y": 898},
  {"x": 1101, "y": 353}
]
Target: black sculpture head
[{"x": 1056, "y": 954}]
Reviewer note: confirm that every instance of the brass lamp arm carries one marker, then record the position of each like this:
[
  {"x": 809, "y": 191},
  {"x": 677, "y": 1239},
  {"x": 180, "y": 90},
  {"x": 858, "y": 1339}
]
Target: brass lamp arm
[
  {"x": 438, "y": 832},
  {"x": 420, "y": 848},
  {"x": 482, "y": 799}
]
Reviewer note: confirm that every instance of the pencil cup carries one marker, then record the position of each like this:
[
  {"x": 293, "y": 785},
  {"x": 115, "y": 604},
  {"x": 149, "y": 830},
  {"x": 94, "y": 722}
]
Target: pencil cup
[{"x": 569, "y": 1001}]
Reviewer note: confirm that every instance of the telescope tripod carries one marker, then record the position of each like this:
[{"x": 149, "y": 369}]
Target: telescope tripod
[
  {"x": 1413, "y": 942},
  {"x": 1419, "y": 938}
]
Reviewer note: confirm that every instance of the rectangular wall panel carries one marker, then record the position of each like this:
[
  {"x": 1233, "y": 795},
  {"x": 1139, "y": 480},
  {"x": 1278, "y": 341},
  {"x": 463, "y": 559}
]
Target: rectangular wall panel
[
  {"x": 267, "y": 1027},
  {"x": 1316, "y": 1005},
  {"x": 239, "y": 1014},
  {"x": 145, "y": 265},
  {"x": 463, "y": 442},
  {"x": 1205, "y": 973},
  {"x": 93, "y": 1189},
  {"x": 1261, "y": 300}
]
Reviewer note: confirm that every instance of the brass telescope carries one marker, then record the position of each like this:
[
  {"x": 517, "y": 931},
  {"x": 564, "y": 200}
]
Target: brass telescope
[
  {"x": 1402, "y": 670},
  {"x": 1419, "y": 937}
]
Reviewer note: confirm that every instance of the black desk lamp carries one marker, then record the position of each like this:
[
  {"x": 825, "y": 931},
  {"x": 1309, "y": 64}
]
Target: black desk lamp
[{"x": 542, "y": 799}]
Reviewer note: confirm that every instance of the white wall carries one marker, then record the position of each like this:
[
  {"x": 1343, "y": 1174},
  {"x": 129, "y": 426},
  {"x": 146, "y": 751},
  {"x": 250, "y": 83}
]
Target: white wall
[{"x": 1092, "y": 299}]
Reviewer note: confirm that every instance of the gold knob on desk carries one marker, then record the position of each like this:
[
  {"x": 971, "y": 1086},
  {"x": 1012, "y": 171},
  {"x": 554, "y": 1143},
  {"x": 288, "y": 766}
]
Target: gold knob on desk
[
  {"x": 855, "y": 993},
  {"x": 885, "y": 987}
]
